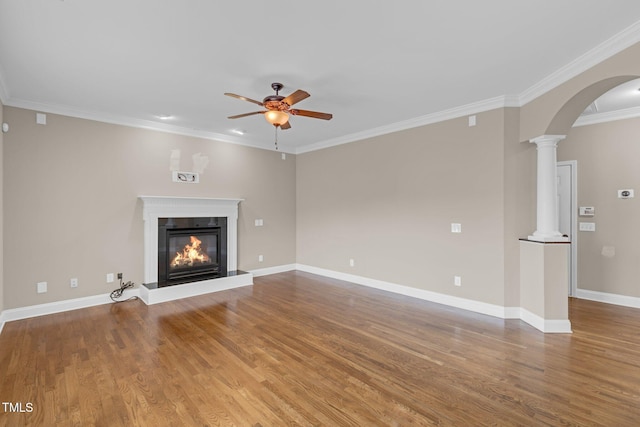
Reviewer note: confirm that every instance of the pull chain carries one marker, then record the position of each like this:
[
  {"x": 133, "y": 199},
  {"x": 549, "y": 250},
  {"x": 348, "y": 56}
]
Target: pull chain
[{"x": 276, "y": 138}]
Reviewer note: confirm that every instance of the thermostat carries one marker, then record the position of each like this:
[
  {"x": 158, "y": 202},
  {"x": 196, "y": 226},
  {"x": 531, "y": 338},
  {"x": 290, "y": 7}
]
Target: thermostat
[
  {"x": 587, "y": 211},
  {"x": 625, "y": 194}
]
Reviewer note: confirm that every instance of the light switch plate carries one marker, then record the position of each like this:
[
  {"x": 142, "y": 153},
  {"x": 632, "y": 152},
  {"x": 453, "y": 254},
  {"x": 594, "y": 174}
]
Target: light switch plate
[{"x": 587, "y": 226}]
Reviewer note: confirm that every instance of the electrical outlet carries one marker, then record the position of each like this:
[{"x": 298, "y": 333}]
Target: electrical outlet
[
  {"x": 73, "y": 282},
  {"x": 41, "y": 287},
  {"x": 110, "y": 278},
  {"x": 457, "y": 280},
  {"x": 352, "y": 262},
  {"x": 260, "y": 258}
]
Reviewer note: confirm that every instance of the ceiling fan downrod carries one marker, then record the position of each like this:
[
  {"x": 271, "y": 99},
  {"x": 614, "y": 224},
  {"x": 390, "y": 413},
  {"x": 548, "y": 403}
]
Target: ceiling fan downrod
[{"x": 277, "y": 87}]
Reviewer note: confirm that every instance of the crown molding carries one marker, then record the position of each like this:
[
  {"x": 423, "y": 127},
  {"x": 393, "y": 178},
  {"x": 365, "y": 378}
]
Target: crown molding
[
  {"x": 132, "y": 122},
  {"x": 616, "y": 44},
  {"x": 4, "y": 90},
  {"x": 592, "y": 119},
  {"x": 453, "y": 113}
]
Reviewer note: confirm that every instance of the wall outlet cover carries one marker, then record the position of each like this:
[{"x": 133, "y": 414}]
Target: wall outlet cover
[{"x": 41, "y": 287}]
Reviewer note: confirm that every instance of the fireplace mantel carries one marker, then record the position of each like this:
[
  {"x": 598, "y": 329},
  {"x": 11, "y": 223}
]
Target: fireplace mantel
[{"x": 154, "y": 207}]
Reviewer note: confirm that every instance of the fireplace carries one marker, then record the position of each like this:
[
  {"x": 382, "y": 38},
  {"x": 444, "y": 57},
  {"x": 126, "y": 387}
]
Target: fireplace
[
  {"x": 191, "y": 249},
  {"x": 214, "y": 222}
]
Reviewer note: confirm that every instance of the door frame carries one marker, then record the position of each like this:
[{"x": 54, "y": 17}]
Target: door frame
[{"x": 573, "y": 256}]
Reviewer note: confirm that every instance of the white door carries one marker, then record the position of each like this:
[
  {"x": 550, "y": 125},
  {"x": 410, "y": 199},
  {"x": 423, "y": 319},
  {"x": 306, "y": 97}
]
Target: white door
[{"x": 567, "y": 215}]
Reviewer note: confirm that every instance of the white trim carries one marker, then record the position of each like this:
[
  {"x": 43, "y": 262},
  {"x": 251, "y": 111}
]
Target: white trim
[
  {"x": 544, "y": 325},
  {"x": 155, "y": 296},
  {"x": 4, "y": 98},
  {"x": 453, "y": 113},
  {"x": 573, "y": 164},
  {"x": 132, "y": 122},
  {"x": 592, "y": 119},
  {"x": 272, "y": 270},
  {"x": 608, "y": 298},
  {"x": 616, "y": 44},
  {"x": 449, "y": 300},
  {"x": 61, "y": 306},
  {"x": 548, "y": 326},
  {"x": 2, "y": 320},
  {"x": 175, "y": 292}
]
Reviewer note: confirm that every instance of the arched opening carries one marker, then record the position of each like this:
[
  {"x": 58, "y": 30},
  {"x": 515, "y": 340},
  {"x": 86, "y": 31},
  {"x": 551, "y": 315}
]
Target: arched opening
[
  {"x": 604, "y": 144},
  {"x": 567, "y": 115},
  {"x": 543, "y": 256}
]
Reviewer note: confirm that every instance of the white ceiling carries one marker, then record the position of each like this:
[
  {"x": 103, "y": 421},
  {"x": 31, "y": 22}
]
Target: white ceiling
[{"x": 376, "y": 65}]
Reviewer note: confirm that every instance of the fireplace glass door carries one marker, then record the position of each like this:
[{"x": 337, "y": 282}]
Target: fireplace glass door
[
  {"x": 191, "y": 250},
  {"x": 192, "y": 253}
]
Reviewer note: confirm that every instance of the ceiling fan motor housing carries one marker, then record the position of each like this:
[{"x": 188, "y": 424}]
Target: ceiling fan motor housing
[{"x": 274, "y": 102}]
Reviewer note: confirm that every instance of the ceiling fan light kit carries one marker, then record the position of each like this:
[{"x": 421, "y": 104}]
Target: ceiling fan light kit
[
  {"x": 276, "y": 118},
  {"x": 278, "y": 108}
]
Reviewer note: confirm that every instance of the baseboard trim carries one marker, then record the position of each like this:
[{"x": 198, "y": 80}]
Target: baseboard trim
[
  {"x": 272, "y": 270},
  {"x": 2, "y": 320},
  {"x": 452, "y": 301},
  {"x": 544, "y": 325},
  {"x": 59, "y": 306},
  {"x": 608, "y": 298},
  {"x": 548, "y": 326},
  {"x": 91, "y": 301}
]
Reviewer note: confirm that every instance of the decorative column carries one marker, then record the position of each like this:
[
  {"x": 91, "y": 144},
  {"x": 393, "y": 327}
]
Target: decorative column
[{"x": 547, "y": 204}]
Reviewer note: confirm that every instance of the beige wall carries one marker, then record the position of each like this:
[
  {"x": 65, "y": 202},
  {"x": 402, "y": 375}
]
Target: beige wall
[
  {"x": 1, "y": 211},
  {"x": 607, "y": 156},
  {"x": 544, "y": 277},
  {"x": 71, "y": 196},
  {"x": 520, "y": 201},
  {"x": 388, "y": 202}
]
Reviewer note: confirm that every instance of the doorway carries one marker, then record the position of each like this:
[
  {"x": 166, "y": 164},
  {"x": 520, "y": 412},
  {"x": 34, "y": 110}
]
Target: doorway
[{"x": 567, "y": 173}]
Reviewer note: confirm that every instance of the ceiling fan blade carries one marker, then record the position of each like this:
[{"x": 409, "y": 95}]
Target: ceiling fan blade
[
  {"x": 296, "y": 96},
  {"x": 244, "y": 98},
  {"x": 314, "y": 114},
  {"x": 285, "y": 126},
  {"x": 245, "y": 115}
]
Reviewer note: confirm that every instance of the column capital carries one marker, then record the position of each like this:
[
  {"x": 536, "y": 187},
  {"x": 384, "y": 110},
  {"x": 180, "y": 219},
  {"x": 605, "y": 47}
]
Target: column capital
[{"x": 547, "y": 139}]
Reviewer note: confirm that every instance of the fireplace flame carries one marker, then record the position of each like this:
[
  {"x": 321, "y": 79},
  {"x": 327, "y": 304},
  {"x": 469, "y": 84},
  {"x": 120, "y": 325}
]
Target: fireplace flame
[{"x": 191, "y": 254}]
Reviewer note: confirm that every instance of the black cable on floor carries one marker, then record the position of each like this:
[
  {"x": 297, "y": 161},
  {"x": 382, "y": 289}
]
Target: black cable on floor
[{"x": 117, "y": 293}]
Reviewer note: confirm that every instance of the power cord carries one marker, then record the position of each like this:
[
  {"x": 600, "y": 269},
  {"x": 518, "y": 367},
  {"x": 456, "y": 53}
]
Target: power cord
[{"x": 117, "y": 293}]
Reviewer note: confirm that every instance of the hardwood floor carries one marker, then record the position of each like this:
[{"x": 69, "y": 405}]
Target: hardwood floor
[{"x": 299, "y": 349}]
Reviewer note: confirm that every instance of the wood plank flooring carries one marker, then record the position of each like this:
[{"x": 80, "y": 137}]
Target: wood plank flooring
[{"x": 299, "y": 349}]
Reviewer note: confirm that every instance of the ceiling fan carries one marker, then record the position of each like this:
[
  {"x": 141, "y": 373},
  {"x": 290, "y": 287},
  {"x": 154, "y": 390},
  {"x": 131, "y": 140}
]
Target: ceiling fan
[{"x": 278, "y": 107}]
